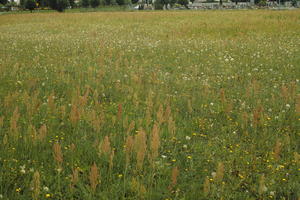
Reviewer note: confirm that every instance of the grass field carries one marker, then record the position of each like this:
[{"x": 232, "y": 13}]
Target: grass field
[{"x": 150, "y": 105}]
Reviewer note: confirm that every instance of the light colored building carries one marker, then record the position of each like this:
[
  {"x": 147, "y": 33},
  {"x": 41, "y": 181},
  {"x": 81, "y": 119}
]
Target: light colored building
[{"x": 16, "y": 1}]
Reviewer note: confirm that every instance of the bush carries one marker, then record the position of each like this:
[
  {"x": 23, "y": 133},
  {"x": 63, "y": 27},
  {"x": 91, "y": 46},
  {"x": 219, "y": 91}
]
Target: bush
[
  {"x": 85, "y": 3},
  {"x": 52, "y": 4},
  {"x": 158, "y": 5},
  {"x": 262, "y": 3},
  {"x": 30, "y": 5},
  {"x": 62, "y": 5},
  {"x": 72, "y": 3},
  {"x": 120, "y": 2},
  {"x": 183, "y": 2},
  {"x": 95, "y": 3},
  {"x": 2, "y": 8},
  {"x": 3, "y": 2}
]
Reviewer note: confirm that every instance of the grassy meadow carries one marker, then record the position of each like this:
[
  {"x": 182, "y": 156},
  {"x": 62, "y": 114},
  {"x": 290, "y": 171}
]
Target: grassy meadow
[{"x": 172, "y": 105}]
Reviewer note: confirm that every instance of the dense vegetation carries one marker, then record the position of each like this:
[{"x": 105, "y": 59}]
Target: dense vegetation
[{"x": 150, "y": 105}]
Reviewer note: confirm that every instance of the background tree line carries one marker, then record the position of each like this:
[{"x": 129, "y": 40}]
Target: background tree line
[{"x": 61, "y": 5}]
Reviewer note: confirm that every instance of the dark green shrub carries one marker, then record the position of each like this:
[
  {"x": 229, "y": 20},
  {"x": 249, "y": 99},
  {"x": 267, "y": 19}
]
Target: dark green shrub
[
  {"x": 262, "y": 3},
  {"x": 95, "y": 3},
  {"x": 85, "y": 3},
  {"x": 52, "y": 4},
  {"x": 62, "y": 5},
  {"x": 30, "y": 5},
  {"x": 72, "y": 3},
  {"x": 3, "y": 2},
  {"x": 183, "y": 2},
  {"x": 158, "y": 5}
]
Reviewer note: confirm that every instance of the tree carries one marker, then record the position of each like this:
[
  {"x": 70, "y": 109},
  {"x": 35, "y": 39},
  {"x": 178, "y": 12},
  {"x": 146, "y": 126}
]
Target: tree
[
  {"x": 72, "y": 3},
  {"x": 62, "y": 5},
  {"x": 30, "y": 5},
  {"x": 95, "y": 3},
  {"x": 120, "y": 2},
  {"x": 52, "y": 4},
  {"x": 172, "y": 2},
  {"x": 158, "y": 5},
  {"x": 22, "y": 4},
  {"x": 183, "y": 2},
  {"x": 85, "y": 3},
  {"x": 3, "y": 2}
]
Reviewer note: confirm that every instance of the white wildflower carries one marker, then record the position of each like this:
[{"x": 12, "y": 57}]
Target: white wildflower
[
  {"x": 213, "y": 174},
  {"x": 45, "y": 188}
]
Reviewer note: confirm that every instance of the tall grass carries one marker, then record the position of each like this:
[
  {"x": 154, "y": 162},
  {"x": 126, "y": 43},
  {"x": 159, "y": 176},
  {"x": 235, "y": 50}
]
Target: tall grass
[{"x": 150, "y": 105}]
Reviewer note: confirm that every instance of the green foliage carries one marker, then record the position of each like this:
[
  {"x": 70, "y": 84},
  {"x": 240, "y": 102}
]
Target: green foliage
[
  {"x": 52, "y": 4},
  {"x": 95, "y": 3},
  {"x": 72, "y": 3},
  {"x": 183, "y": 2},
  {"x": 62, "y": 5},
  {"x": 158, "y": 4},
  {"x": 110, "y": 2},
  {"x": 294, "y": 3},
  {"x": 120, "y": 2},
  {"x": 85, "y": 3},
  {"x": 11, "y": 4},
  {"x": 262, "y": 3},
  {"x": 22, "y": 3},
  {"x": 173, "y": 2},
  {"x": 4, "y": 8},
  {"x": 30, "y": 5},
  {"x": 3, "y": 2}
]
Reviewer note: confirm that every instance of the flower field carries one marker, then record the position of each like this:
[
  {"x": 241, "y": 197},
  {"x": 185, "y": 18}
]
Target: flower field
[{"x": 179, "y": 105}]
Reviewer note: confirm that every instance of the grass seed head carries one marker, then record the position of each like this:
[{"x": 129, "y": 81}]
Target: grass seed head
[
  {"x": 105, "y": 147},
  {"x": 159, "y": 114},
  {"x": 285, "y": 93},
  {"x": 58, "y": 155},
  {"x": 189, "y": 106},
  {"x": 1, "y": 121},
  {"x": 222, "y": 96},
  {"x": 74, "y": 114},
  {"x": 36, "y": 185},
  {"x": 93, "y": 177},
  {"x": 42, "y": 132},
  {"x": 277, "y": 149},
  {"x": 140, "y": 148},
  {"x": 206, "y": 186},
  {"x": 111, "y": 159},
  {"x": 220, "y": 172},
  {"x": 298, "y": 105},
  {"x": 262, "y": 187},
  {"x": 14, "y": 122},
  {"x": 119, "y": 115},
  {"x": 175, "y": 173},
  {"x": 155, "y": 142},
  {"x": 131, "y": 127},
  {"x": 75, "y": 176},
  {"x": 128, "y": 148}
]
